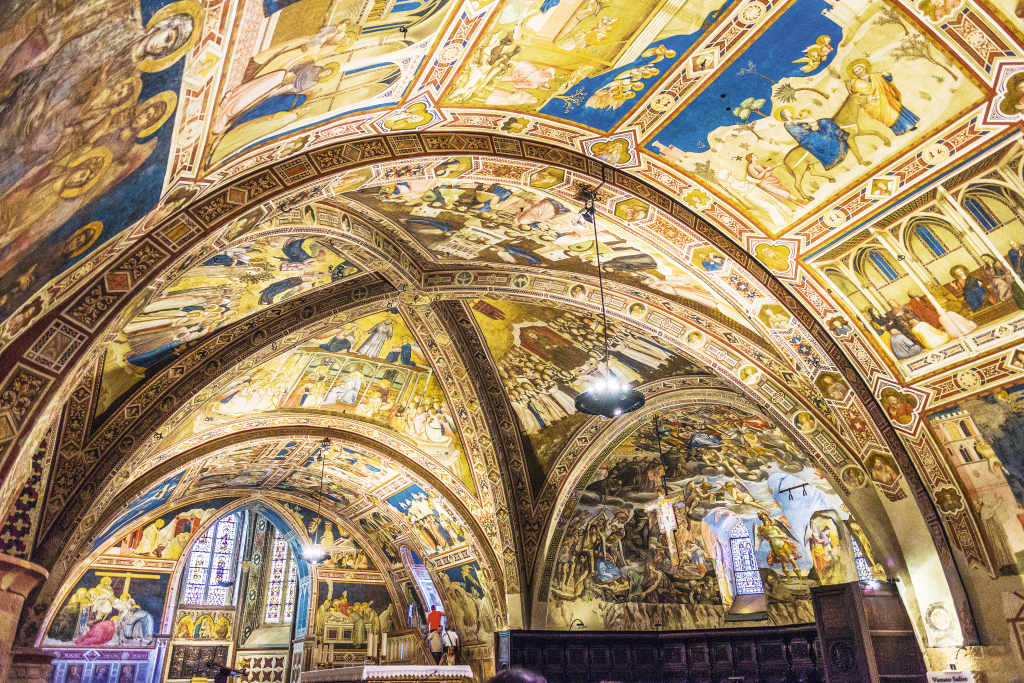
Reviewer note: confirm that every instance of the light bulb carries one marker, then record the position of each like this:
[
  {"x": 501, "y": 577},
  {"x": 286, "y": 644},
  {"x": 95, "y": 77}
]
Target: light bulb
[{"x": 314, "y": 554}]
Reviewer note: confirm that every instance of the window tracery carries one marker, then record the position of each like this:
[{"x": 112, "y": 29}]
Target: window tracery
[{"x": 209, "y": 576}]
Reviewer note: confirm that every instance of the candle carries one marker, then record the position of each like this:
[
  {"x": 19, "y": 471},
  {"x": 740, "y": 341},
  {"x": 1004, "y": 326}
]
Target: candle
[
  {"x": 384, "y": 645},
  {"x": 369, "y": 646}
]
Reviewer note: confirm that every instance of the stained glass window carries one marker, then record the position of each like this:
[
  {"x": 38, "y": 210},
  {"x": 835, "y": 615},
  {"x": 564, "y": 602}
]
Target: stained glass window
[
  {"x": 863, "y": 568},
  {"x": 280, "y": 585},
  {"x": 209, "y": 577},
  {"x": 289, "y": 600},
  {"x": 744, "y": 562}
]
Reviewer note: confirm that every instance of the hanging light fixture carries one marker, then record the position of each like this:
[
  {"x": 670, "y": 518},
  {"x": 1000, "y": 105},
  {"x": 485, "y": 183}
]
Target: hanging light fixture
[
  {"x": 608, "y": 397},
  {"x": 315, "y": 554}
]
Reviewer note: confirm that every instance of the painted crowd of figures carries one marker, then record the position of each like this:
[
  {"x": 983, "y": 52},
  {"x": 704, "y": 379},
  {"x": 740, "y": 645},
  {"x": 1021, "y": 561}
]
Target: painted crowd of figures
[
  {"x": 661, "y": 538},
  {"x": 911, "y": 328},
  {"x": 363, "y": 619},
  {"x": 97, "y": 616},
  {"x": 436, "y": 527},
  {"x": 86, "y": 92},
  {"x": 184, "y": 314},
  {"x": 551, "y": 362}
]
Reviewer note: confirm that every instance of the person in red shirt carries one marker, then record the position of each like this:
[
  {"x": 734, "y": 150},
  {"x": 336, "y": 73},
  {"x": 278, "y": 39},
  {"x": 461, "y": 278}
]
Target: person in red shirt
[{"x": 434, "y": 618}]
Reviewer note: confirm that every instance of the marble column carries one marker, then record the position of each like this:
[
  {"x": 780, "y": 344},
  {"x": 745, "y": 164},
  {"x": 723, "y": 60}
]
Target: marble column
[{"x": 17, "y": 579}]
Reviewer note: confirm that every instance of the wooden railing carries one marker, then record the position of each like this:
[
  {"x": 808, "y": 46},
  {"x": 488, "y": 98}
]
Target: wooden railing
[{"x": 786, "y": 654}]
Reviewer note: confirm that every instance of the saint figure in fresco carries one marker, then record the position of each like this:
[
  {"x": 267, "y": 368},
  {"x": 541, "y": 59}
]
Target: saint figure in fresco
[
  {"x": 1000, "y": 279},
  {"x": 551, "y": 346},
  {"x": 65, "y": 625},
  {"x": 343, "y": 340},
  {"x": 402, "y": 353},
  {"x": 898, "y": 410},
  {"x": 1015, "y": 255},
  {"x": 380, "y": 334},
  {"x": 881, "y": 471},
  {"x": 879, "y": 98},
  {"x": 969, "y": 287},
  {"x": 136, "y": 623},
  {"x": 763, "y": 176},
  {"x": 826, "y": 141}
]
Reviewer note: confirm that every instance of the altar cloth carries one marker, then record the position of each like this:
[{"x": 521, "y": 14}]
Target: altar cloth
[{"x": 399, "y": 671}]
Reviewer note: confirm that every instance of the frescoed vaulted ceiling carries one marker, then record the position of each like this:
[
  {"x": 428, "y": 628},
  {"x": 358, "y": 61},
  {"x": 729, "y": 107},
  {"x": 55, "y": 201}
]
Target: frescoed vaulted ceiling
[{"x": 330, "y": 254}]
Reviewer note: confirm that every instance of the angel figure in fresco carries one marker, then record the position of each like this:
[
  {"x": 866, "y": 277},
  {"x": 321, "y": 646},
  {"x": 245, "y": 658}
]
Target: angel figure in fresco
[
  {"x": 623, "y": 87},
  {"x": 879, "y": 98},
  {"x": 297, "y": 259},
  {"x": 737, "y": 494},
  {"x": 815, "y": 54},
  {"x": 783, "y": 547}
]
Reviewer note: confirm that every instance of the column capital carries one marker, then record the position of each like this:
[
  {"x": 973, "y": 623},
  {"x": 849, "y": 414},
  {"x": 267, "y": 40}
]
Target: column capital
[
  {"x": 20, "y": 576},
  {"x": 29, "y": 665},
  {"x": 29, "y": 656}
]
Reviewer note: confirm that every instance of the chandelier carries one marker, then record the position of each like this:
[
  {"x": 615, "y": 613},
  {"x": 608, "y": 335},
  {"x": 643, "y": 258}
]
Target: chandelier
[{"x": 607, "y": 397}]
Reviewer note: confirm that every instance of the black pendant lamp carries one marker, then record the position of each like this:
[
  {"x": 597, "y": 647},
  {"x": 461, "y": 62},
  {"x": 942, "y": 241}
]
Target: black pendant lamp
[
  {"x": 607, "y": 397},
  {"x": 315, "y": 554}
]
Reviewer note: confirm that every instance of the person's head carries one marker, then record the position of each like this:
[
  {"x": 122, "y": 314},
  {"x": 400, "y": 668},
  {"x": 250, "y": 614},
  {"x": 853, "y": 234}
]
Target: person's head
[
  {"x": 124, "y": 91},
  {"x": 1013, "y": 243},
  {"x": 161, "y": 41},
  {"x": 860, "y": 71},
  {"x": 988, "y": 259},
  {"x": 751, "y": 158},
  {"x": 147, "y": 115},
  {"x": 82, "y": 174}
]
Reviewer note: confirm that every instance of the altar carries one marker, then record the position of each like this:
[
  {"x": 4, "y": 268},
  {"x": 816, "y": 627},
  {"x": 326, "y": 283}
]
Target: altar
[{"x": 399, "y": 673}]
